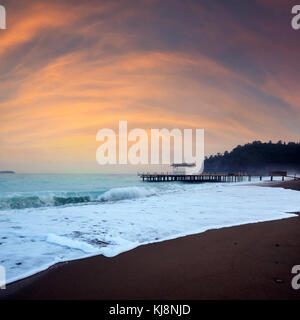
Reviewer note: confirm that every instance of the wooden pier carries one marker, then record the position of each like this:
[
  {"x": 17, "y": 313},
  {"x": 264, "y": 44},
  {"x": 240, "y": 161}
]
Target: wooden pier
[
  {"x": 194, "y": 178},
  {"x": 211, "y": 177}
]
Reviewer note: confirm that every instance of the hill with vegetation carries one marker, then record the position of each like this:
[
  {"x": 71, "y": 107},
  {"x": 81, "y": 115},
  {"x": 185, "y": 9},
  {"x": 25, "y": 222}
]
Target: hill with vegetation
[{"x": 257, "y": 157}]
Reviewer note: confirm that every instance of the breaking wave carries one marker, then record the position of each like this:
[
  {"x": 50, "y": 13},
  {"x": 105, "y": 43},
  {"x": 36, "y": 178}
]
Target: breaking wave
[
  {"x": 117, "y": 194},
  {"x": 49, "y": 199}
]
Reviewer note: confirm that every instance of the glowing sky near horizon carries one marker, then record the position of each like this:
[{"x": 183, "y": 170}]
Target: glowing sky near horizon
[{"x": 70, "y": 68}]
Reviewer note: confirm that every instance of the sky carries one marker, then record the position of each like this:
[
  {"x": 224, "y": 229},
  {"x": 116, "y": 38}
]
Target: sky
[{"x": 70, "y": 68}]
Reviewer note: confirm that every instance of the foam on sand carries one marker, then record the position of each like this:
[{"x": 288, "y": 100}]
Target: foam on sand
[{"x": 71, "y": 243}]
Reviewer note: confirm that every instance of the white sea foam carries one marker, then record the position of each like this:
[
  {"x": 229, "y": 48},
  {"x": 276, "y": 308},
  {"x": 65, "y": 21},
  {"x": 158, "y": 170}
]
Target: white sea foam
[
  {"x": 71, "y": 243},
  {"x": 33, "y": 239},
  {"x": 116, "y": 194}
]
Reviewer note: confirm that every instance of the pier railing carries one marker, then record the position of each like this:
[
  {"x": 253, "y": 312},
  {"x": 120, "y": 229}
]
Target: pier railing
[{"x": 203, "y": 177}]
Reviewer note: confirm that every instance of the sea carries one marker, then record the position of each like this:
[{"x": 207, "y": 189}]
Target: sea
[{"x": 51, "y": 218}]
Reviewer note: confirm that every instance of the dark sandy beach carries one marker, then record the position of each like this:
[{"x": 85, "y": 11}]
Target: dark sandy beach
[{"x": 251, "y": 261}]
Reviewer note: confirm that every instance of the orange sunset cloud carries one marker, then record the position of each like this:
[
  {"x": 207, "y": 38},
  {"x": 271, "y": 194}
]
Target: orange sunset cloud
[{"x": 68, "y": 70}]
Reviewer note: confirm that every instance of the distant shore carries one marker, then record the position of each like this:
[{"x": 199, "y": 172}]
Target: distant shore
[{"x": 252, "y": 261}]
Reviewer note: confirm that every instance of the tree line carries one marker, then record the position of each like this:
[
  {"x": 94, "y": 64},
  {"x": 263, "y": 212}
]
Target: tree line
[{"x": 257, "y": 157}]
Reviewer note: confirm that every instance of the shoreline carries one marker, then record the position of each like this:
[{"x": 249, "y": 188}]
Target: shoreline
[
  {"x": 289, "y": 184},
  {"x": 250, "y": 261}
]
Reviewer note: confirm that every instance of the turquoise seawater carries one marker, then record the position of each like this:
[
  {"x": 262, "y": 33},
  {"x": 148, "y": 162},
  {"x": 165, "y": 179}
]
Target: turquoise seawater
[{"x": 20, "y": 191}]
